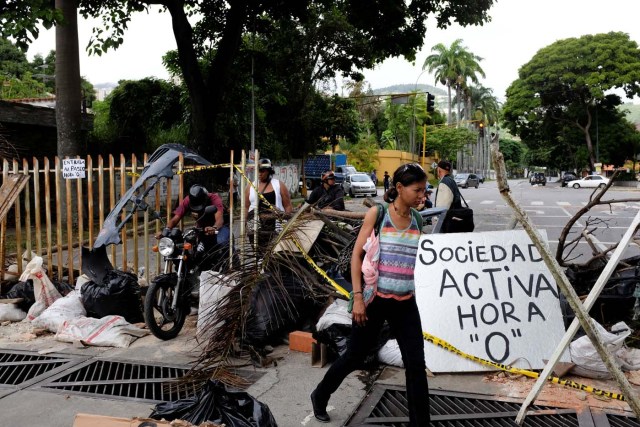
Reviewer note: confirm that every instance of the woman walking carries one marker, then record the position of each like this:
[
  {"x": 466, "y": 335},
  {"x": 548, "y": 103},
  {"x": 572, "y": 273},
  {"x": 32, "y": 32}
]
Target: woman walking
[{"x": 394, "y": 299}]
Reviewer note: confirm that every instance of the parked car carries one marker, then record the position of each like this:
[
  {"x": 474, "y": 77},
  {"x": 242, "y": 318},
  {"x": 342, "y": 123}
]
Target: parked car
[
  {"x": 589, "y": 181},
  {"x": 568, "y": 177},
  {"x": 359, "y": 184},
  {"x": 466, "y": 180},
  {"x": 538, "y": 178}
]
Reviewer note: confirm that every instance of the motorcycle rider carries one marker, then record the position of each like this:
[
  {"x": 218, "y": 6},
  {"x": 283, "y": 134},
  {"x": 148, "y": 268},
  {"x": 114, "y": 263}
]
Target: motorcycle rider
[
  {"x": 216, "y": 232},
  {"x": 328, "y": 195}
]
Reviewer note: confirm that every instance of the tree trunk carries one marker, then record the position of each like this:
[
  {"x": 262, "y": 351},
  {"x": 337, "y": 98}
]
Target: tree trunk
[
  {"x": 206, "y": 93},
  {"x": 68, "y": 90},
  {"x": 200, "y": 125},
  {"x": 587, "y": 137},
  {"x": 449, "y": 95}
]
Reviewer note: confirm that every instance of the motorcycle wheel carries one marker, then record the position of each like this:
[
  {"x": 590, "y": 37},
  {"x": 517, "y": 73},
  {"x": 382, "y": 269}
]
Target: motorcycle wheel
[{"x": 163, "y": 322}]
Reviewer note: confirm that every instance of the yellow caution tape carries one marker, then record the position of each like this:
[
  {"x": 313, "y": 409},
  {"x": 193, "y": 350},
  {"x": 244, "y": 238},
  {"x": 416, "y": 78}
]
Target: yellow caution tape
[{"x": 507, "y": 368}]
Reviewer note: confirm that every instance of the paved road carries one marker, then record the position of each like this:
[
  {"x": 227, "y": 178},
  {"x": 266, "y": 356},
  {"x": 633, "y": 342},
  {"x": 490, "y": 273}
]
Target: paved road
[{"x": 550, "y": 208}]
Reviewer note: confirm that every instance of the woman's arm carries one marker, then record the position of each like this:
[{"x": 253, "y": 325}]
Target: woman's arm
[{"x": 358, "y": 313}]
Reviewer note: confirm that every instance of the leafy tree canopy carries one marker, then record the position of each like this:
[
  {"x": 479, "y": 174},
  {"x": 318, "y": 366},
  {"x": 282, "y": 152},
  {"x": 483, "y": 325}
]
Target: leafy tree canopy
[
  {"x": 447, "y": 141},
  {"x": 337, "y": 36},
  {"x": 565, "y": 84}
]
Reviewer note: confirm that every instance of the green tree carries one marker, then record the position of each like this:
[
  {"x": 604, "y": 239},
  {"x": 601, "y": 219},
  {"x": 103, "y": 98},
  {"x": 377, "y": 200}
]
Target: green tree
[
  {"x": 452, "y": 66},
  {"x": 138, "y": 116},
  {"x": 447, "y": 141},
  {"x": 347, "y": 36},
  {"x": 13, "y": 61},
  {"x": 560, "y": 89},
  {"x": 513, "y": 152}
]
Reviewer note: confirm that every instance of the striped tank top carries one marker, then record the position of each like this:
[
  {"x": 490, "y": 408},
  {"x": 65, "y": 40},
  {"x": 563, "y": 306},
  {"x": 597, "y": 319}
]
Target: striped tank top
[{"x": 398, "y": 249}]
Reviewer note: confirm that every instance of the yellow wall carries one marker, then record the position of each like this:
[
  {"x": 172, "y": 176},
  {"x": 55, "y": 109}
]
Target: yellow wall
[{"x": 390, "y": 160}]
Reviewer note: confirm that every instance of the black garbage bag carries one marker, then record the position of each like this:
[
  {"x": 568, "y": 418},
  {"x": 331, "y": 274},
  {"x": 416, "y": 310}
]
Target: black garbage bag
[
  {"x": 217, "y": 404},
  {"x": 22, "y": 290},
  {"x": 336, "y": 337},
  {"x": 277, "y": 309},
  {"x": 118, "y": 295}
]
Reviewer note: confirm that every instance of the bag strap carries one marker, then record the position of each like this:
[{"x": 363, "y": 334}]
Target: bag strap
[
  {"x": 418, "y": 218},
  {"x": 381, "y": 211}
]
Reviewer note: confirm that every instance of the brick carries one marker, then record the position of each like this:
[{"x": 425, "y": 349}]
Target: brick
[{"x": 301, "y": 341}]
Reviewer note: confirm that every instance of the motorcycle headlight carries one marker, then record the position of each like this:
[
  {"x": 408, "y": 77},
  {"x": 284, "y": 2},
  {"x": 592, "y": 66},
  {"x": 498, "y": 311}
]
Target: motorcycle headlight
[{"x": 166, "y": 246}]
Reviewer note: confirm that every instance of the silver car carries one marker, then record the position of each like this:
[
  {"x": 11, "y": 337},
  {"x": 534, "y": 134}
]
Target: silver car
[
  {"x": 359, "y": 184},
  {"x": 466, "y": 180}
]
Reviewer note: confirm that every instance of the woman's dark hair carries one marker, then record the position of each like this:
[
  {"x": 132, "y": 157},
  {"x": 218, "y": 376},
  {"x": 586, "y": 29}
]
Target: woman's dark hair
[{"x": 406, "y": 174}]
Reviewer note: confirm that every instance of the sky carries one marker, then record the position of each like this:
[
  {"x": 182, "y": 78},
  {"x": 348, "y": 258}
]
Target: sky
[{"x": 518, "y": 29}]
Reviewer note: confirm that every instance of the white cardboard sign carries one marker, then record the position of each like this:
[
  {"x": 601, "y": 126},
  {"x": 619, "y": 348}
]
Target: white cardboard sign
[
  {"x": 73, "y": 168},
  {"x": 490, "y": 295}
]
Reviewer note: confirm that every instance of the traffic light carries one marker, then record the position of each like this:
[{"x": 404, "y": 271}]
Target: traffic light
[
  {"x": 430, "y": 103},
  {"x": 481, "y": 130}
]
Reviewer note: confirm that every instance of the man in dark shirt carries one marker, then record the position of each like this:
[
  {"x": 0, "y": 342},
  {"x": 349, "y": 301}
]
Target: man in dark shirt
[{"x": 329, "y": 195}]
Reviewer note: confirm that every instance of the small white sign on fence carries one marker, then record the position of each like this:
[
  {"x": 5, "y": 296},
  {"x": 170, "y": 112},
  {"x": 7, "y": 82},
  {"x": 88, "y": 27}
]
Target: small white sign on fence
[
  {"x": 73, "y": 168},
  {"x": 490, "y": 295}
]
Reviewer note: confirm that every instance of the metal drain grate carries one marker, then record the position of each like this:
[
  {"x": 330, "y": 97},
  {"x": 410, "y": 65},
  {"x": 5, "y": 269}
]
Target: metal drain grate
[
  {"x": 126, "y": 380},
  {"x": 620, "y": 421},
  {"x": 19, "y": 369},
  {"x": 387, "y": 406},
  {"x": 123, "y": 380}
]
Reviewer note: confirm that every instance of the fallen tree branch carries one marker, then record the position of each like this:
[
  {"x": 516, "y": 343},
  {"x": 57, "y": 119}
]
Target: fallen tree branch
[{"x": 566, "y": 288}]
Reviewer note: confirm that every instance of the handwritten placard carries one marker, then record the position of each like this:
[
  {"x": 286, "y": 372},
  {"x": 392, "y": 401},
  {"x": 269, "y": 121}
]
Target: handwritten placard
[
  {"x": 490, "y": 295},
  {"x": 73, "y": 168}
]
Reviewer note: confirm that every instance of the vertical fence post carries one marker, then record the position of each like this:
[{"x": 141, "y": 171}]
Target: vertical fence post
[
  {"x": 146, "y": 232},
  {"x": 3, "y": 224},
  {"x": 18, "y": 214},
  {"x": 112, "y": 199},
  {"x": 27, "y": 217},
  {"x": 67, "y": 184},
  {"x": 158, "y": 222},
  {"x": 134, "y": 169},
  {"x": 36, "y": 205},
  {"x": 58, "y": 215},
  {"x": 80, "y": 206},
  {"x": 123, "y": 235},
  {"x": 47, "y": 212},
  {"x": 90, "y": 199}
]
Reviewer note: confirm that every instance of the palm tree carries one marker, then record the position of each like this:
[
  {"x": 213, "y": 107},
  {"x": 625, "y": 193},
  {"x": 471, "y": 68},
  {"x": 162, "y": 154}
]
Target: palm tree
[{"x": 452, "y": 67}]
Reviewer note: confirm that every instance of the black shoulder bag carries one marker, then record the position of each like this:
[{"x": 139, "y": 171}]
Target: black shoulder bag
[{"x": 459, "y": 219}]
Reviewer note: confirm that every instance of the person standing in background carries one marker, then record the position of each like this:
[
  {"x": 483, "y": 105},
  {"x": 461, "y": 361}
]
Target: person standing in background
[{"x": 386, "y": 181}]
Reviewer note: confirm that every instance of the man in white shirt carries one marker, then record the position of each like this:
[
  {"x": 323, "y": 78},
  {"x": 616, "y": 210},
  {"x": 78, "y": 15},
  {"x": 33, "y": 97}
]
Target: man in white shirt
[{"x": 445, "y": 193}]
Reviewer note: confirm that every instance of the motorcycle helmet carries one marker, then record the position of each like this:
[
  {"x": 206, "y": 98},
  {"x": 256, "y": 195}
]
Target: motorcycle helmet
[{"x": 198, "y": 198}]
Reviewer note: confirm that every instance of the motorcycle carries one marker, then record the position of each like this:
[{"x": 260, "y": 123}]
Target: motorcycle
[{"x": 168, "y": 299}]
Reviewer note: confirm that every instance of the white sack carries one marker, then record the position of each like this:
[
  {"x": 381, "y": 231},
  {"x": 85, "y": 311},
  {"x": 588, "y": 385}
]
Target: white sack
[
  {"x": 44, "y": 291},
  {"x": 336, "y": 313},
  {"x": 11, "y": 312},
  {"x": 213, "y": 287},
  {"x": 390, "y": 354},
  {"x": 588, "y": 361},
  {"x": 110, "y": 331},
  {"x": 68, "y": 308}
]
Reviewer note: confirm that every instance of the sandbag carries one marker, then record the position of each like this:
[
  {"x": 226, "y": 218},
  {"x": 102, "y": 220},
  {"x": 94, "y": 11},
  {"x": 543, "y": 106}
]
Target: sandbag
[
  {"x": 119, "y": 294},
  {"x": 12, "y": 313},
  {"x": 217, "y": 404},
  {"x": 43, "y": 289},
  {"x": 109, "y": 331},
  {"x": 64, "y": 309}
]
